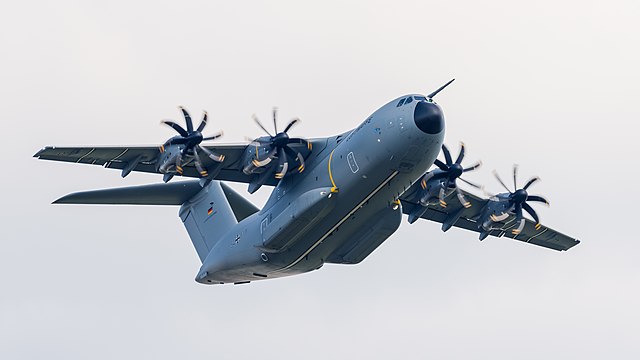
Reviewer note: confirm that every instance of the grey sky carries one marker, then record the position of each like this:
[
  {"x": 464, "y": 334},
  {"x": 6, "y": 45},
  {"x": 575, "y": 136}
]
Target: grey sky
[{"x": 551, "y": 85}]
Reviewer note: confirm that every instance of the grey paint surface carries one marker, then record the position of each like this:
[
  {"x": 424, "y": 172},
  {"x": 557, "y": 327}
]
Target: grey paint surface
[{"x": 75, "y": 287}]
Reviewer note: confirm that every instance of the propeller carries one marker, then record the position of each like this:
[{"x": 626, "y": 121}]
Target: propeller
[
  {"x": 451, "y": 171},
  {"x": 277, "y": 149},
  {"x": 190, "y": 140},
  {"x": 518, "y": 200}
]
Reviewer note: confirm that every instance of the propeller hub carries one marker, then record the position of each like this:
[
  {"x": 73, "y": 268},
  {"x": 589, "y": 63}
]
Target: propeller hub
[
  {"x": 194, "y": 138},
  {"x": 455, "y": 170},
  {"x": 281, "y": 139},
  {"x": 520, "y": 196}
]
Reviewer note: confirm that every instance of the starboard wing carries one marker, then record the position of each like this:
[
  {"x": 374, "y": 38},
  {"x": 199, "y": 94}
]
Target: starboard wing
[{"x": 543, "y": 236}]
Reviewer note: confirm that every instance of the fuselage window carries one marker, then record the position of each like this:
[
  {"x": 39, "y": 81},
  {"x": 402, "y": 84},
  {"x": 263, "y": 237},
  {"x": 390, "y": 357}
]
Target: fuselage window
[
  {"x": 353, "y": 165},
  {"x": 409, "y": 99},
  {"x": 400, "y": 103}
]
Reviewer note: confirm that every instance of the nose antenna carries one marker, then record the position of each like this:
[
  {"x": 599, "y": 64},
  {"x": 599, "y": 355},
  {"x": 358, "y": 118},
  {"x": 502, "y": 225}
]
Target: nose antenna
[{"x": 430, "y": 96}]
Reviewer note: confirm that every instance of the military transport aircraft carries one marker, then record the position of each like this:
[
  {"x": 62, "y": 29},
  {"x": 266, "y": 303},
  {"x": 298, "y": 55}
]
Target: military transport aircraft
[{"x": 335, "y": 199}]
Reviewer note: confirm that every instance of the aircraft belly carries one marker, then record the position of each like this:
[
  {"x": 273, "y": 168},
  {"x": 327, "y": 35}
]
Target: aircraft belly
[
  {"x": 363, "y": 233},
  {"x": 352, "y": 235}
]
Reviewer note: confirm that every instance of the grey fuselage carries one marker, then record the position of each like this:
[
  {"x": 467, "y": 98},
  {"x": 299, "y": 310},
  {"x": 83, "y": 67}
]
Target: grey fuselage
[{"x": 342, "y": 207}]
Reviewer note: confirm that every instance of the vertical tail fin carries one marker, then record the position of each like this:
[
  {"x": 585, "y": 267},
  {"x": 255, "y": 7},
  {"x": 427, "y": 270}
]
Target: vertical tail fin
[
  {"x": 211, "y": 213},
  {"x": 207, "y": 217}
]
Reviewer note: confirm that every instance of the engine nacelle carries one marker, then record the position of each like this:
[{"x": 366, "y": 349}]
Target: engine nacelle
[
  {"x": 256, "y": 159},
  {"x": 167, "y": 160}
]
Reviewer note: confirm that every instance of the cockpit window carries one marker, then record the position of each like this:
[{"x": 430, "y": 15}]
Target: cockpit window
[
  {"x": 409, "y": 99},
  {"x": 400, "y": 102},
  {"x": 419, "y": 98}
]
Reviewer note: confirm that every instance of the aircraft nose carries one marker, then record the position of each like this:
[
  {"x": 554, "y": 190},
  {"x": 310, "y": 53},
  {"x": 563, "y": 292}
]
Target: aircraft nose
[{"x": 428, "y": 117}]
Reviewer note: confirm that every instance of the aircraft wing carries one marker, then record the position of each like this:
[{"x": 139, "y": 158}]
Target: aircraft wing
[
  {"x": 144, "y": 158},
  {"x": 544, "y": 236}
]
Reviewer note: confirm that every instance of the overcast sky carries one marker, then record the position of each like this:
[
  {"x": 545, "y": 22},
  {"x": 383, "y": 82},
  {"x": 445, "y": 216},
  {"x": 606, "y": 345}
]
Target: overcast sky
[{"x": 550, "y": 85}]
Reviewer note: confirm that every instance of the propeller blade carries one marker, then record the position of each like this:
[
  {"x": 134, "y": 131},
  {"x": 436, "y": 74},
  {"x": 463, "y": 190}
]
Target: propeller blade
[
  {"x": 473, "y": 167},
  {"x": 293, "y": 155},
  {"x": 440, "y": 89},
  {"x": 203, "y": 123},
  {"x": 519, "y": 219},
  {"x": 520, "y": 227},
  {"x": 187, "y": 119},
  {"x": 491, "y": 196},
  {"x": 267, "y": 160},
  {"x": 212, "y": 137},
  {"x": 283, "y": 165},
  {"x": 462, "y": 199},
  {"x": 530, "y": 182},
  {"x": 176, "y": 127},
  {"x": 495, "y": 173},
  {"x": 290, "y": 125},
  {"x": 213, "y": 156},
  {"x": 177, "y": 141},
  {"x": 447, "y": 155},
  {"x": 275, "y": 123},
  {"x": 441, "y": 197},
  {"x": 255, "y": 142},
  {"x": 179, "y": 162},
  {"x": 461, "y": 154},
  {"x": 425, "y": 178},
  {"x": 531, "y": 212},
  {"x": 300, "y": 141},
  {"x": 515, "y": 176},
  {"x": 470, "y": 183},
  {"x": 518, "y": 211},
  {"x": 201, "y": 170},
  {"x": 537, "y": 199},
  {"x": 301, "y": 161},
  {"x": 255, "y": 119},
  {"x": 441, "y": 165}
]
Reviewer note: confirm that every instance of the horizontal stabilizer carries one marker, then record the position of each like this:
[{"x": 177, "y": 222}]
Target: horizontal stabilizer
[{"x": 175, "y": 193}]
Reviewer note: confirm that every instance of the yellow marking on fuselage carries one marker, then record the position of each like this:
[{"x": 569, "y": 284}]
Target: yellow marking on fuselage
[{"x": 334, "y": 188}]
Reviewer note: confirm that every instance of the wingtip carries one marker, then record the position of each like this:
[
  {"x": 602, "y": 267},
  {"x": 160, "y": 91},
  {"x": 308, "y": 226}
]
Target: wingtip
[{"x": 39, "y": 153}]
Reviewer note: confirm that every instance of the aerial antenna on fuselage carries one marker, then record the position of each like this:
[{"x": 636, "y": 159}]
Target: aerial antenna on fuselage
[{"x": 430, "y": 96}]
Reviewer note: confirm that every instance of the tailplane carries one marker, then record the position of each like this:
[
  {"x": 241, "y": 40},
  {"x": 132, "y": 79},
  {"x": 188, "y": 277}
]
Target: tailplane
[{"x": 207, "y": 212}]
